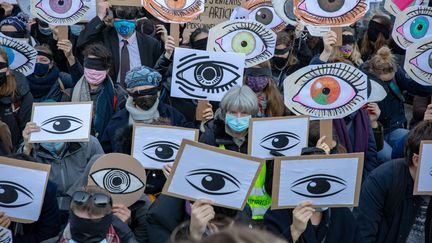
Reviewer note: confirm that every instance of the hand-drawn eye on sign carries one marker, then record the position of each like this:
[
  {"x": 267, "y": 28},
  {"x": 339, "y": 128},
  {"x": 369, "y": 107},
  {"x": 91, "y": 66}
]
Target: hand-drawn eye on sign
[
  {"x": 205, "y": 75},
  {"x": 21, "y": 56},
  {"x": 21, "y": 197},
  {"x": 327, "y": 180},
  {"x": 5, "y": 235},
  {"x": 261, "y": 11},
  {"x": 285, "y": 10},
  {"x": 121, "y": 175},
  {"x": 330, "y": 12},
  {"x": 418, "y": 61},
  {"x": 251, "y": 38},
  {"x": 395, "y": 7},
  {"x": 326, "y": 91},
  {"x": 153, "y": 146},
  {"x": 283, "y": 135},
  {"x": 202, "y": 171},
  {"x": 423, "y": 180},
  {"x": 412, "y": 25},
  {"x": 174, "y": 11},
  {"x": 62, "y": 122},
  {"x": 59, "y": 12}
]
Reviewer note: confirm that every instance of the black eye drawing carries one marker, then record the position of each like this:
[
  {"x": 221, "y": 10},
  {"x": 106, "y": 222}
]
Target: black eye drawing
[
  {"x": 13, "y": 195},
  {"x": 62, "y": 124},
  {"x": 280, "y": 141},
  {"x": 117, "y": 181},
  {"x": 318, "y": 186},
  {"x": 430, "y": 171},
  {"x": 60, "y": 12},
  {"x": 161, "y": 151},
  {"x": 208, "y": 75},
  {"x": 5, "y": 235},
  {"x": 21, "y": 56},
  {"x": 213, "y": 182}
]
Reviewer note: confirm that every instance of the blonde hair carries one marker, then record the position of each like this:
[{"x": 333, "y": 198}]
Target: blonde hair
[
  {"x": 383, "y": 62},
  {"x": 9, "y": 88},
  {"x": 284, "y": 38}
]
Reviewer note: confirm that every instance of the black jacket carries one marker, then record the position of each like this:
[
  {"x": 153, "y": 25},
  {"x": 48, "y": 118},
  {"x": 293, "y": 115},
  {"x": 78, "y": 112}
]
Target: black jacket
[
  {"x": 387, "y": 207},
  {"x": 337, "y": 226},
  {"x": 23, "y": 101},
  {"x": 96, "y": 31}
]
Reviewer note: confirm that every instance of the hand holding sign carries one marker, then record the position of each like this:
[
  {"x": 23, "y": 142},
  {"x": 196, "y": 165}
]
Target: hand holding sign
[{"x": 102, "y": 8}]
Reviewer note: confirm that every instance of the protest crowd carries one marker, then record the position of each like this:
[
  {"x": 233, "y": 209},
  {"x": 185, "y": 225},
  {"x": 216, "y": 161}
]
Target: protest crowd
[{"x": 355, "y": 89}]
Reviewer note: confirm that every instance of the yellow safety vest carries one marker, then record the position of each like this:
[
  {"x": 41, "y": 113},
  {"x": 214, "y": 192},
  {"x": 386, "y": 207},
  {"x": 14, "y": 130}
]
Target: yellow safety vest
[{"x": 259, "y": 200}]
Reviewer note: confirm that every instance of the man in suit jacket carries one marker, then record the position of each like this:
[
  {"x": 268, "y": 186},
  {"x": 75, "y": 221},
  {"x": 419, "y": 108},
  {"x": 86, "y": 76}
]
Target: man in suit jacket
[{"x": 142, "y": 50}]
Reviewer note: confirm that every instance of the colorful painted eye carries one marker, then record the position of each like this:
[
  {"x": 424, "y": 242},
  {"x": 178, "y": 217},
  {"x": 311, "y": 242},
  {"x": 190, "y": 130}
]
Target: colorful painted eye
[
  {"x": 249, "y": 37},
  {"x": 326, "y": 91},
  {"x": 61, "y": 124},
  {"x": 418, "y": 61},
  {"x": 285, "y": 10},
  {"x": 161, "y": 151},
  {"x": 13, "y": 195},
  {"x": 60, "y": 12},
  {"x": 395, "y": 7},
  {"x": 175, "y": 11},
  {"x": 21, "y": 56},
  {"x": 411, "y": 25},
  {"x": 117, "y": 181},
  {"x": 213, "y": 182},
  {"x": 200, "y": 72},
  {"x": 280, "y": 141},
  {"x": 318, "y": 185},
  {"x": 330, "y": 12}
]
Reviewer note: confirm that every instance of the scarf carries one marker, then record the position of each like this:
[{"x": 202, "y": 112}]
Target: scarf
[
  {"x": 40, "y": 86},
  {"x": 137, "y": 114},
  {"x": 262, "y": 105},
  {"x": 103, "y": 105},
  {"x": 394, "y": 88},
  {"x": 361, "y": 133},
  {"x": 111, "y": 236}
]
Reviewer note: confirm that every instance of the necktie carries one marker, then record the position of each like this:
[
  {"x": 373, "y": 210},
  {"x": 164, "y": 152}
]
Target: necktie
[{"x": 124, "y": 62}]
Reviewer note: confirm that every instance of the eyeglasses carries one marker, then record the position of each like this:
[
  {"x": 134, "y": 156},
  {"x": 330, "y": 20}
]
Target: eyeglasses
[{"x": 99, "y": 199}]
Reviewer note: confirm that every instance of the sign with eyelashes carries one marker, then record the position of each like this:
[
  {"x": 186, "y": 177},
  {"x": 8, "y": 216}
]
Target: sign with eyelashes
[
  {"x": 62, "y": 122},
  {"x": 330, "y": 13},
  {"x": 155, "y": 146},
  {"x": 21, "y": 56},
  {"x": 395, "y": 7},
  {"x": 60, "y": 12},
  {"x": 423, "y": 179},
  {"x": 326, "y": 180},
  {"x": 412, "y": 25},
  {"x": 205, "y": 172},
  {"x": 22, "y": 189},
  {"x": 284, "y": 135},
  {"x": 121, "y": 175},
  {"x": 418, "y": 61},
  {"x": 174, "y": 11},
  {"x": 205, "y": 75},
  {"x": 327, "y": 91},
  {"x": 285, "y": 10}
]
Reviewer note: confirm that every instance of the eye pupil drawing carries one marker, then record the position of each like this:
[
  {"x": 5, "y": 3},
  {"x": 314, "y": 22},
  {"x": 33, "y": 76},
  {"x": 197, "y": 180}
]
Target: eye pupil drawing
[
  {"x": 331, "y": 5},
  {"x": 318, "y": 185},
  {"x": 12, "y": 195},
  {"x": 213, "y": 182},
  {"x": 325, "y": 90},
  {"x": 209, "y": 74},
  {"x": 420, "y": 27},
  {"x": 280, "y": 141},
  {"x": 242, "y": 42},
  {"x": 264, "y": 16},
  {"x": 164, "y": 152},
  {"x": 61, "y": 124}
]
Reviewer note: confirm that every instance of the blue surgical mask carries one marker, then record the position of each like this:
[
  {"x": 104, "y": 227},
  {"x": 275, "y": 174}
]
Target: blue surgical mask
[
  {"x": 53, "y": 147},
  {"x": 124, "y": 27},
  {"x": 76, "y": 29},
  {"x": 45, "y": 30},
  {"x": 237, "y": 124},
  {"x": 41, "y": 69}
]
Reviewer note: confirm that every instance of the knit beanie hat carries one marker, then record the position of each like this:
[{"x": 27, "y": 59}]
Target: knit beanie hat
[
  {"x": 141, "y": 76},
  {"x": 19, "y": 21}
]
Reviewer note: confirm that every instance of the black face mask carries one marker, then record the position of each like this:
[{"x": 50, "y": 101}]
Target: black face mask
[
  {"x": 375, "y": 28},
  {"x": 3, "y": 76},
  {"x": 15, "y": 34},
  {"x": 279, "y": 62},
  {"x": 200, "y": 44},
  {"x": 145, "y": 102},
  {"x": 89, "y": 230}
]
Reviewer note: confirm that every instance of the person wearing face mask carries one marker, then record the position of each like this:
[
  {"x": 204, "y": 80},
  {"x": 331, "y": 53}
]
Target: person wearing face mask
[
  {"x": 198, "y": 39},
  {"x": 16, "y": 27},
  {"x": 15, "y": 99},
  {"x": 41, "y": 31},
  {"x": 129, "y": 48},
  {"x": 47, "y": 82},
  {"x": 349, "y": 49}
]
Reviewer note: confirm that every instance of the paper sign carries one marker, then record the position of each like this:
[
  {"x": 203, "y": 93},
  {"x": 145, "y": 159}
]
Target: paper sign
[
  {"x": 5, "y": 235},
  {"x": 135, "y": 3},
  {"x": 395, "y": 7},
  {"x": 205, "y": 75},
  {"x": 22, "y": 189},
  {"x": 205, "y": 172},
  {"x": 326, "y": 180},
  {"x": 173, "y": 11},
  {"x": 423, "y": 180},
  {"x": 284, "y": 135},
  {"x": 154, "y": 146},
  {"x": 9, "y": 1},
  {"x": 62, "y": 12},
  {"x": 63, "y": 33},
  {"x": 285, "y": 10},
  {"x": 21, "y": 56},
  {"x": 62, "y": 122},
  {"x": 418, "y": 63}
]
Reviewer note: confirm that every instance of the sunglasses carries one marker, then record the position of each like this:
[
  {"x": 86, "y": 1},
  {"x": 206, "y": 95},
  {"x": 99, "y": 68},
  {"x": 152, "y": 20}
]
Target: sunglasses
[{"x": 99, "y": 199}]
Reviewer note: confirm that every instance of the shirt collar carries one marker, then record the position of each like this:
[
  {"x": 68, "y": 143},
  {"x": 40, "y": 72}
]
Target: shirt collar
[{"x": 131, "y": 41}]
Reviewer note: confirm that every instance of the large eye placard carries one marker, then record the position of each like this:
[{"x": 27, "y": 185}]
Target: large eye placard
[
  {"x": 330, "y": 12},
  {"x": 202, "y": 171},
  {"x": 251, "y": 38},
  {"x": 21, "y": 56},
  {"x": 175, "y": 11},
  {"x": 423, "y": 179},
  {"x": 412, "y": 25},
  {"x": 327, "y": 180},
  {"x": 418, "y": 61},
  {"x": 285, "y": 10},
  {"x": 60, "y": 12},
  {"x": 326, "y": 91},
  {"x": 205, "y": 75},
  {"x": 395, "y": 7}
]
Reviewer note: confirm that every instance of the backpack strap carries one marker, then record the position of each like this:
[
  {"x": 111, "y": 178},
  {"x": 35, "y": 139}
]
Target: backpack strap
[{"x": 398, "y": 187}]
